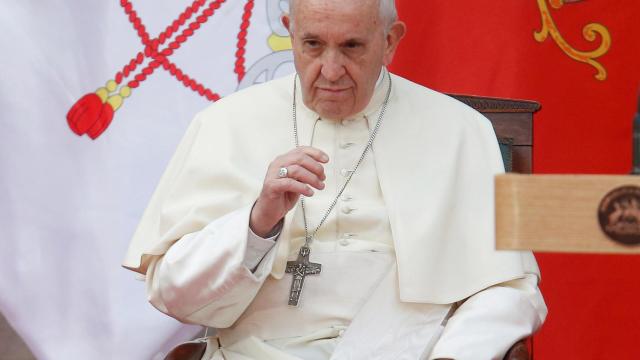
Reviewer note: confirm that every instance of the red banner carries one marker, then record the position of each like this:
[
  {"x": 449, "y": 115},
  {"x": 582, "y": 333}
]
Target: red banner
[{"x": 581, "y": 61}]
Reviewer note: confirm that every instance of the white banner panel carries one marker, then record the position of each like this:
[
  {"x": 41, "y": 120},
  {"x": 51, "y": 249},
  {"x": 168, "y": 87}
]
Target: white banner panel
[{"x": 68, "y": 203}]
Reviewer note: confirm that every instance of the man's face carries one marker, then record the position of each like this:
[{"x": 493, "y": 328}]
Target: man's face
[{"x": 339, "y": 49}]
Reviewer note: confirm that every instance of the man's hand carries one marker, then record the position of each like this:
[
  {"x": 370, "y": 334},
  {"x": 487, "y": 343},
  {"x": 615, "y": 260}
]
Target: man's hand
[{"x": 279, "y": 195}]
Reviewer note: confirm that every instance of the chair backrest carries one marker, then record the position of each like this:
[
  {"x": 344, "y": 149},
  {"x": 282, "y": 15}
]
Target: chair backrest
[{"x": 513, "y": 123}]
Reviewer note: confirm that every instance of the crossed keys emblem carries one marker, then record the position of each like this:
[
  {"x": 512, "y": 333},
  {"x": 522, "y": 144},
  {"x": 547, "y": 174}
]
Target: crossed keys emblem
[
  {"x": 300, "y": 269},
  {"x": 93, "y": 113}
]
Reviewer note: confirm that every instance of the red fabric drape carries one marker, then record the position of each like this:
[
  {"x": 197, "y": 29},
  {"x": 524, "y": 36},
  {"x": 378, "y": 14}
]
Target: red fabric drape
[{"x": 488, "y": 48}]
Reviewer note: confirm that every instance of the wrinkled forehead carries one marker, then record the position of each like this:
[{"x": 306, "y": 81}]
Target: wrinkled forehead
[
  {"x": 337, "y": 7},
  {"x": 336, "y": 15}
]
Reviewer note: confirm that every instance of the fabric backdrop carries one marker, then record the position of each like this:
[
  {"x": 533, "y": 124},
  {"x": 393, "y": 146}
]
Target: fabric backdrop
[
  {"x": 489, "y": 48},
  {"x": 69, "y": 204}
]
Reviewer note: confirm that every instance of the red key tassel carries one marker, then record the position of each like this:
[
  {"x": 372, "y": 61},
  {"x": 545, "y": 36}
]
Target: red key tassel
[
  {"x": 93, "y": 113},
  {"x": 84, "y": 113}
]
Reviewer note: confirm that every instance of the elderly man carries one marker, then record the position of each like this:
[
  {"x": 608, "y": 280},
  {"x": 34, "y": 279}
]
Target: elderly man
[{"x": 371, "y": 233}]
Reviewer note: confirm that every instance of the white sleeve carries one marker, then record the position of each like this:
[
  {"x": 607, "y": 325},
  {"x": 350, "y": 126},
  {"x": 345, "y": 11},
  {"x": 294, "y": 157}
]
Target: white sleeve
[
  {"x": 204, "y": 279},
  {"x": 257, "y": 248},
  {"x": 487, "y": 324}
]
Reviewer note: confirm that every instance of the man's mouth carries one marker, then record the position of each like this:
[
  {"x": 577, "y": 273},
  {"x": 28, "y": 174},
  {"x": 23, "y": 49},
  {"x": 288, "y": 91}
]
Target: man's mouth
[{"x": 333, "y": 91}]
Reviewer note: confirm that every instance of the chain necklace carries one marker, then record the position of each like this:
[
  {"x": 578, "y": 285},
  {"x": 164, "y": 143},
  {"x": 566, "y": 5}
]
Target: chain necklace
[{"x": 302, "y": 266}]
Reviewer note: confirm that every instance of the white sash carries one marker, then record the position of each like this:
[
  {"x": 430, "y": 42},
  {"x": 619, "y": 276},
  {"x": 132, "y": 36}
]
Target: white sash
[{"x": 386, "y": 328}]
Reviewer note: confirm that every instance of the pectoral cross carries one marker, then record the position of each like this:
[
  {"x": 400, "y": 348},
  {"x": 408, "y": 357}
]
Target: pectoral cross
[{"x": 299, "y": 269}]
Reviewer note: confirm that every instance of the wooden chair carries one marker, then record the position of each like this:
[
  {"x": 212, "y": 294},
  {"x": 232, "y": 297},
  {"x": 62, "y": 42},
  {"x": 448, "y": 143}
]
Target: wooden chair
[{"x": 512, "y": 121}]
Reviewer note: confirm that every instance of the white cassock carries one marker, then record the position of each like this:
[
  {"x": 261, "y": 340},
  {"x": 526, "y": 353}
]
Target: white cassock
[{"x": 412, "y": 234}]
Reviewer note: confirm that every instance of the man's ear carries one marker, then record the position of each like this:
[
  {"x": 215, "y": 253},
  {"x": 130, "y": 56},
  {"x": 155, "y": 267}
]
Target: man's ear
[{"x": 395, "y": 34}]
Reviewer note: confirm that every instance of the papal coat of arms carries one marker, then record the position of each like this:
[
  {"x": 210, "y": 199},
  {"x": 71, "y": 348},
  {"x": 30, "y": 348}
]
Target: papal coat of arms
[{"x": 619, "y": 215}]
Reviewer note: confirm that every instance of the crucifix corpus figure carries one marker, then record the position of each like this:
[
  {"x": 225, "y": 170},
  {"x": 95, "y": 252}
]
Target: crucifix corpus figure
[{"x": 299, "y": 269}]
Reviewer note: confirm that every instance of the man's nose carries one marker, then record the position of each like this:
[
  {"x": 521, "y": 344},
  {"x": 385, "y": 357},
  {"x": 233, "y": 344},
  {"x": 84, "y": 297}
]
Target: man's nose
[{"x": 333, "y": 66}]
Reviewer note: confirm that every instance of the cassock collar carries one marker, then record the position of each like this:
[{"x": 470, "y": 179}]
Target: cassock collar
[{"x": 307, "y": 117}]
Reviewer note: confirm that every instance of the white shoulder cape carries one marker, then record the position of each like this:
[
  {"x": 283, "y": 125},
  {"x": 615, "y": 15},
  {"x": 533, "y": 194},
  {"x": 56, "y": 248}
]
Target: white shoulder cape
[{"x": 436, "y": 159}]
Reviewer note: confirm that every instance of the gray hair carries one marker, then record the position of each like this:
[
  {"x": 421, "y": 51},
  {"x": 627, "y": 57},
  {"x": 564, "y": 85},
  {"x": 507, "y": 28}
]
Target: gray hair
[{"x": 388, "y": 12}]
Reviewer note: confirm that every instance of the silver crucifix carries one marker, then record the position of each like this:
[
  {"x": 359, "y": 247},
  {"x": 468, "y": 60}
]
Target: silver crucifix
[{"x": 299, "y": 269}]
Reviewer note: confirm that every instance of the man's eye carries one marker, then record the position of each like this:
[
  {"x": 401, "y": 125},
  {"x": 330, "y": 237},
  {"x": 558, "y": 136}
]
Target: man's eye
[
  {"x": 352, "y": 45},
  {"x": 312, "y": 43}
]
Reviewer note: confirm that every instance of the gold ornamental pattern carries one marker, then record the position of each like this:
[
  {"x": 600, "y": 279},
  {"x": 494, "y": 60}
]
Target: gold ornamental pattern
[{"x": 591, "y": 32}]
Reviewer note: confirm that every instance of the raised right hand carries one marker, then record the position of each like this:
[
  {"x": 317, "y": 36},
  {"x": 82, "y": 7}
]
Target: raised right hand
[{"x": 279, "y": 195}]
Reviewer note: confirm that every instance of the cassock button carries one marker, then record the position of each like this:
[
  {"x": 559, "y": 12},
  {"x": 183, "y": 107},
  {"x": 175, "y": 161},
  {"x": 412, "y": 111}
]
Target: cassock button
[
  {"x": 344, "y": 242},
  {"x": 346, "y": 145},
  {"x": 347, "y": 210},
  {"x": 345, "y": 172}
]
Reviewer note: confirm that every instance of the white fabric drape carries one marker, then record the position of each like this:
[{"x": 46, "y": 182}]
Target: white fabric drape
[{"x": 69, "y": 205}]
